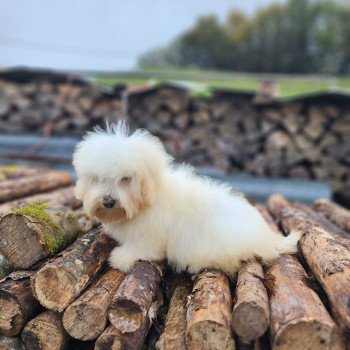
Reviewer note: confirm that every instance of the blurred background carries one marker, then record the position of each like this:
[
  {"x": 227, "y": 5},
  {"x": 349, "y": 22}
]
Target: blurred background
[{"x": 256, "y": 93}]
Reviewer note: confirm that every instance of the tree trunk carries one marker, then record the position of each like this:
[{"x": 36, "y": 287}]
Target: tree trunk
[
  {"x": 11, "y": 343},
  {"x": 45, "y": 332},
  {"x": 251, "y": 310},
  {"x": 36, "y": 232},
  {"x": 63, "y": 278},
  {"x": 86, "y": 317},
  {"x": 17, "y": 303},
  {"x": 26, "y": 186},
  {"x": 14, "y": 172},
  {"x": 327, "y": 256},
  {"x": 333, "y": 212},
  {"x": 5, "y": 267},
  {"x": 130, "y": 306},
  {"x": 209, "y": 313},
  {"x": 320, "y": 219},
  {"x": 173, "y": 336},
  {"x": 62, "y": 197}
]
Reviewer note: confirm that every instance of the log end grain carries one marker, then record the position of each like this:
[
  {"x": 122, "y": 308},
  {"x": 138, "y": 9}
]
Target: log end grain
[
  {"x": 54, "y": 288},
  {"x": 45, "y": 332},
  {"x": 250, "y": 321},
  {"x": 11, "y": 317},
  {"x": 209, "y": 335},
  {"x": 109, "y": 340},
  {"x": 304, "y": 334},
  {"x": 94, "y": 321}
]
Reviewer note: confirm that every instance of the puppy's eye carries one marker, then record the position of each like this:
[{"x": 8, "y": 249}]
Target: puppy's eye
[{"x": 125, "y": 179}]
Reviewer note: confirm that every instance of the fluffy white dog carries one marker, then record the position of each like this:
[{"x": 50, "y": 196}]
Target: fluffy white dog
[{"x": 156, "y": 209}]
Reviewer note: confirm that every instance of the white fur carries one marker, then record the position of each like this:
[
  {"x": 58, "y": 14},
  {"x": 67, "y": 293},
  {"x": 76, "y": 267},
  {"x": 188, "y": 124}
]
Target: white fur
[{"x": 166, "y": 210}]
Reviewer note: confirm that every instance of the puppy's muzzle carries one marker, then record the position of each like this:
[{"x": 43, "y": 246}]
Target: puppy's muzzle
[{"x": 108, "y": 202}]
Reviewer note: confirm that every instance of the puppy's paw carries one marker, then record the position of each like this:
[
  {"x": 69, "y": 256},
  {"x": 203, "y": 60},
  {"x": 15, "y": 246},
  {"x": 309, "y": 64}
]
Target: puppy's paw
[{"x": 122, "y": 259}]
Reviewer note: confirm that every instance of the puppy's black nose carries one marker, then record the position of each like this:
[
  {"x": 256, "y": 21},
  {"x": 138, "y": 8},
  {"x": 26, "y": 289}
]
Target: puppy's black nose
[{"x": 108, "y": 201}]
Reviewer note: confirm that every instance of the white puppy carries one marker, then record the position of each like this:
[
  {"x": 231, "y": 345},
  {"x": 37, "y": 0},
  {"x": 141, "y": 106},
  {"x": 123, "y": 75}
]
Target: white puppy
[{"x": 156, "y": 209}]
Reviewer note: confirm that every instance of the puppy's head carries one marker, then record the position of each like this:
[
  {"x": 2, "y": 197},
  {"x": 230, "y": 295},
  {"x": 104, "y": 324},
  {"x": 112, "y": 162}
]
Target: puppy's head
[{"x": 119, "y": 174}]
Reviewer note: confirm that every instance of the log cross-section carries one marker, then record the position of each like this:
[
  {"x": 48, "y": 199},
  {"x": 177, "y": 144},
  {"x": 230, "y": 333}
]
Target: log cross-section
[
  {"x": 35, "y": 232},
  {"x": 86, "y": 317},
  {"x": 63, "y": 278},
  {"x": 131, "y": 304},
  {"x": 209, "y": 313}
]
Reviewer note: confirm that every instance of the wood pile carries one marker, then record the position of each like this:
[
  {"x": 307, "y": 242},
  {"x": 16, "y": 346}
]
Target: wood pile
[
  {"x": 62, "y": 294},
  {"x": 43, "y": 106}
]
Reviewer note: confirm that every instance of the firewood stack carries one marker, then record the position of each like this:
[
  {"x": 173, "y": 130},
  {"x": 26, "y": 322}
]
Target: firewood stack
[
  {"x": 43, "y": 105},
  {"x": 57, "y": 291}
]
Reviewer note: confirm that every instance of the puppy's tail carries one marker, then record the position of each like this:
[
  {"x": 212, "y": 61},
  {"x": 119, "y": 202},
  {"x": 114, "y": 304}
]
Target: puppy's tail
[{"x": 289, "y": 244}]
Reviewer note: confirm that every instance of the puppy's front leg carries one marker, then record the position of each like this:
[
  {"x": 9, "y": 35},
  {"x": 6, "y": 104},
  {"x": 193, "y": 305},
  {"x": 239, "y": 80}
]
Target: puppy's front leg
[{"x": 123, "y": 258}]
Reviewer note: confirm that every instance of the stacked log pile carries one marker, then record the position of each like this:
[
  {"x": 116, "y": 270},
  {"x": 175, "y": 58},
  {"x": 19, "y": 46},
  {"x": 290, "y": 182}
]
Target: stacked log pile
[
  {"x": 64, "y": 296},
  {"x": 45, "y": 105}
]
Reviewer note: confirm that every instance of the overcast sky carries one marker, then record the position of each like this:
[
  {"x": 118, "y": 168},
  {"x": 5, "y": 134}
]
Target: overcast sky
[{"x": 98, "y": 34}]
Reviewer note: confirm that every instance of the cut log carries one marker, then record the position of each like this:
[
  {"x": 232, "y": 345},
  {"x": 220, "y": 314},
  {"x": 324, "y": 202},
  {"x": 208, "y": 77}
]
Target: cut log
[
  {"x": 298, "y": 318},
  {"x": 35, "y": 232},
  {"x": 17, "y": 303},
  {"x": 87, "y": 223},
  {"x": 45, "y": 332},
  {"x": 5, "y": 267},
  {"x": 333, "y": 212},
  {"x": 9, "y": 172},
  {"x": 173, "y": 335},
  {"x": 251, "y": 310},
  {"x": 327, "y": 256},
  {"x": 17, "y": 188},
  {"x": 63, "y": 278},
  {"x": 320, "y": 219},
  {"x": 11, "y": 343},
  {"x": 64, "y": 197},
  {"x": 86, "y": 317},
  {"x": 130, "y": 306},
  {"x": 209, "y": 313}
]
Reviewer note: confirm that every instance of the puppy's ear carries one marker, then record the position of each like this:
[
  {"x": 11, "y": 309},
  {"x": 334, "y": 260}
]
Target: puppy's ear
[{"x": 149, "y": 186}]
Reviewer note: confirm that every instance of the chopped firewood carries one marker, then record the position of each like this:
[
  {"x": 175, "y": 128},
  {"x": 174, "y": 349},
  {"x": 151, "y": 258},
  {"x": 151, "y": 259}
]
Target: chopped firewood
[
  {"x": 5, "y": 267},
  {"x": 61, "y": 197},
  {"x": 9, "y": 172},
  {"x": 333, "y": 212},
  {"x": 17, "y": 188},
  {"x": 209, "y": 312},
  {"x": 298, "y": 318},
  {"x": 45, "y": 332},
  {"x": 63, "y": 278},
  {"x": 17, "y": 302},
  {"x": 35, "y": 232},
  {"x": 86, "y": 317},
  {"x": 173, "y": 335},
  {"x": 130, "y": 306},
  {"x": 320, "y": 219},
  {"x": 11, "y": 343},
  {"x": 251, "y": 310},
  {"x": 327, "y": 256}
]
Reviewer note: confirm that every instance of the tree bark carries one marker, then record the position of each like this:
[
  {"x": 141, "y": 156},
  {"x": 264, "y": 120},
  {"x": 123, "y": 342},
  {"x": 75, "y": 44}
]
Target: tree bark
[
  {"x": 298, "y": 318},
  {"x": 17, "y": 302},
  {"x": 86, "y": 317},
  {"x": 333, "y": 212},
  {"x": 63, "y": 278},
  {"x": 11, "y": 343},
  {"x": 17, "y": 188},
  {"x": 251, "y": 310},
  {"x": 173, "y": 335},
  {"x": 45, "y": 332},
  {"x": 320, "y": 219},
  {"x": 64, "y": 197},
  {"x": 36, "y": 232},
  {"x": 5, "y": 267},
  {"x": 131, "y": 304},
  {"x": 15, "y": 172},
  {"x": 209, "y": 313},
  {"x": 327, "y": 256}
]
